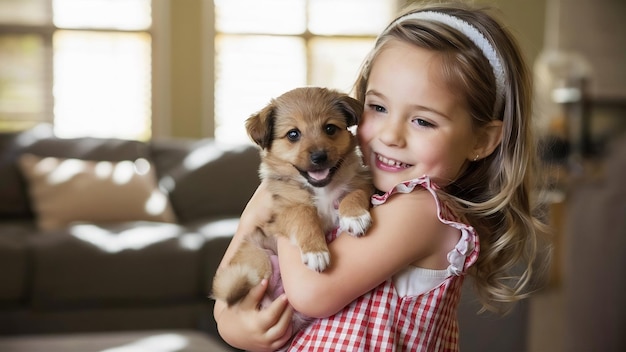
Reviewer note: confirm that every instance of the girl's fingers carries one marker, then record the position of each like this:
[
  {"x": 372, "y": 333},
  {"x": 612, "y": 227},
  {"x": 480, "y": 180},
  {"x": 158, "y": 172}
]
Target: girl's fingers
[
  {"x": 280, "y": 332},
  {"x": 254, "y": 297},
  {"x": 279, "y": 313}
]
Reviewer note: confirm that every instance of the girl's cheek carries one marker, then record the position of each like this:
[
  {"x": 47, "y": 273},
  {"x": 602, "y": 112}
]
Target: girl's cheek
[{"x": 364, "y": 131}]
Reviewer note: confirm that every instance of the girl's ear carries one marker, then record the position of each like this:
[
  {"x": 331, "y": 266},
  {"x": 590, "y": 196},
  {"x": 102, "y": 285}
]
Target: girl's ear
[{"x": 488, "y": 139}]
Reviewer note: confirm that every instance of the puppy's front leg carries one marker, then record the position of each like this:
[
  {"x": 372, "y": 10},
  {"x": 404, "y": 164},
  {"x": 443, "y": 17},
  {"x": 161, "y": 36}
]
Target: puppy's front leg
[
  {"x": 354, "y": 215},
  {"x": 302, "y": 225}
]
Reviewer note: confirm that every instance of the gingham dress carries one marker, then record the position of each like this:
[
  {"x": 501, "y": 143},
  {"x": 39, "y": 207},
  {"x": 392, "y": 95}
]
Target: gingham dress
[{"x": 386, "y": 319}]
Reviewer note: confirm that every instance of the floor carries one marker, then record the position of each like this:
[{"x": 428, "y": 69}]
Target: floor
[{"x": 136, "y": 341}]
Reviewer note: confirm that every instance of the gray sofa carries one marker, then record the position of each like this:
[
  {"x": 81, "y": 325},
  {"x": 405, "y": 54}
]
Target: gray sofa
[{"x": 126, "y": 274}]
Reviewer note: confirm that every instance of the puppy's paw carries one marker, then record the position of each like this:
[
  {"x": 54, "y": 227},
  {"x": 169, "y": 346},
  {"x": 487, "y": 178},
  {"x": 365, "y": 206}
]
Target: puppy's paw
[
  {"x": 317, "y": 261},
  {"x": 355, "y": 225}
]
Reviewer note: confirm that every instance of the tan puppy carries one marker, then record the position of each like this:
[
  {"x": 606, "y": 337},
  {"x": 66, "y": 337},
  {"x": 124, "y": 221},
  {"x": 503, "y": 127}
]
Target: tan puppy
[{"x": 311, "y": 165}]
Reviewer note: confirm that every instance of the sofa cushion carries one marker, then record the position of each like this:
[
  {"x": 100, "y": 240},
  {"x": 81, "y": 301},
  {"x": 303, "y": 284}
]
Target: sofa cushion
[
  {"x": 14, "y": 201},
  {"x": 67, "y": 190},
  {"x": 206, "y": 178}
]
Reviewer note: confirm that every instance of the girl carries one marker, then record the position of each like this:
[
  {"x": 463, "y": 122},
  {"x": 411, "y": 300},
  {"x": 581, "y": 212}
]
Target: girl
[{"x": 446, "y": 133}]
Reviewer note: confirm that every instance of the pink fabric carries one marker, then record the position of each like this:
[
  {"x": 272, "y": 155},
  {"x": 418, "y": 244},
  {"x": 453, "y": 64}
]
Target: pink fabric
[
  {"x": 381, "y": 320},
  {"x": 275, "y": 288}
]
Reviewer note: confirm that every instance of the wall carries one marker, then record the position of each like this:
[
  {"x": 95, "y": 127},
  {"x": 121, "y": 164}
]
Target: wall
[
  {"x": 183, "y": 61},
  {"x": 597, "y": 30},
  {"x": 526, "y": 20}
]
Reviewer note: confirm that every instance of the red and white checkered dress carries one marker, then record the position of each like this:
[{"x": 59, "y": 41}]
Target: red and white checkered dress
[{"x": 392, "y": 317}]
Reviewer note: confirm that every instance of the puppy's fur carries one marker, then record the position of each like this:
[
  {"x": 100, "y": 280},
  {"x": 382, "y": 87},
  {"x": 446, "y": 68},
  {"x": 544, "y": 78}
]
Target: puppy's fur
[{"x": 311, "y": 164}]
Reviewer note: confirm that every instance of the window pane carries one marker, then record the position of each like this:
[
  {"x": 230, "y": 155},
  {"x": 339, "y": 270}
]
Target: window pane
[
  {"x": 111, "y": 14},
  {"x": 30, "y": 12},
  {"x": 336, "y": 62},
  {"x": 250, "y": 70},
  {"x": 264, "y": 17},
  {"x": 357, "y": 17},
  {"x": 22, "y": 81},
  {"x": 101, "y": 82}
]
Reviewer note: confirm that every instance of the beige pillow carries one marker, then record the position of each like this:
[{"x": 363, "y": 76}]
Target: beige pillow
[{"x": 67, "y": 190}]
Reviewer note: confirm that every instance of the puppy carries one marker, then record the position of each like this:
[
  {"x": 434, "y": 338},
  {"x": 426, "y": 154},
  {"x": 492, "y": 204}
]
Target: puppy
[{"x": 312, "y": 167}]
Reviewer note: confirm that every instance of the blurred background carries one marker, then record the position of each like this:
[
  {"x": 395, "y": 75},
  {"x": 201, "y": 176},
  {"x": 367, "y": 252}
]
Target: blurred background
[{"x": 141, "y": 69}]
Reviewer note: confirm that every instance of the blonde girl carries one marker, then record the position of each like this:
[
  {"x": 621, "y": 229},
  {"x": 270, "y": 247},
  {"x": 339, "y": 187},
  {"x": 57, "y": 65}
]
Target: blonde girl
[{"x": 446, "y": 132}]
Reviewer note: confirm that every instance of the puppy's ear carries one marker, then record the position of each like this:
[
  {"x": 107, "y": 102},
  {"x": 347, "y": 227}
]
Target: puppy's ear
[
  {"x": 260, "y": 126},
  {"x": 351, "y": 108}
]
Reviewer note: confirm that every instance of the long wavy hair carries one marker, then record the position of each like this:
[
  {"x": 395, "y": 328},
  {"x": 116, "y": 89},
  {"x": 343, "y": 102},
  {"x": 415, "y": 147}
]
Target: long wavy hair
[{"x": 498, "y": 193}]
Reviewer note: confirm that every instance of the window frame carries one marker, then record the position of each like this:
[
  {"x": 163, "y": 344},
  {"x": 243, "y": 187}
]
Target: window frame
[{"x": 159, "y": 60}]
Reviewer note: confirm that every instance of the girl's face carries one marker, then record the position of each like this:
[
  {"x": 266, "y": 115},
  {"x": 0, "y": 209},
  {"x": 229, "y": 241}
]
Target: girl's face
[{"x": 412, "y": 124}]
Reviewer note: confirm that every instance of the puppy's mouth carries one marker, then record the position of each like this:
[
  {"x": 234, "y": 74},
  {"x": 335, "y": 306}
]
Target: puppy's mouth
[{"x": 319, "y": 177}]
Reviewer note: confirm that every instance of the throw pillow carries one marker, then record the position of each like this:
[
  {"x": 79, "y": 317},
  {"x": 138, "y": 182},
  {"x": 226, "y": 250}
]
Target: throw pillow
[{"x": 67, "y": 190}]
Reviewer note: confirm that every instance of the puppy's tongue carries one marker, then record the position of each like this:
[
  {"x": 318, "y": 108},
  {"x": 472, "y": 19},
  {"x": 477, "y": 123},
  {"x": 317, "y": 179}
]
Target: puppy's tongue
[{"x": 319, "y": 175}]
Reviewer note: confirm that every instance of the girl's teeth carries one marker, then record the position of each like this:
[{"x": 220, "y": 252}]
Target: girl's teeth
[{"x": 391, "y": 162}]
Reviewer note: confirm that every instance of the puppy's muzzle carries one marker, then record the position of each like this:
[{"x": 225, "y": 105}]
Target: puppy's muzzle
[{"x": 320, "y": 173}]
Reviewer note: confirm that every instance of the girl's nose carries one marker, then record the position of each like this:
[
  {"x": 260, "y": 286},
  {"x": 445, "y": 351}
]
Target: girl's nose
[{"x": 392, "y": 134}]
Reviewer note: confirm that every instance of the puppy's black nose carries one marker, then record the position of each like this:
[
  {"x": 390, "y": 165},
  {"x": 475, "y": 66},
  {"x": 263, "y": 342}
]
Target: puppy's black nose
[{"x": 319, "y": 157}]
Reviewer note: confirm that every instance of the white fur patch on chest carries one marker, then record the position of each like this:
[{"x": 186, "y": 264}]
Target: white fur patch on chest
[{"x": 327, "y": 202}]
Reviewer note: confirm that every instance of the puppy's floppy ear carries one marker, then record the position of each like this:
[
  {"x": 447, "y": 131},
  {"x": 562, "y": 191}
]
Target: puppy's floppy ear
[
  {"x": 351, "y": 108},
  {"x": 260, "y": 126}
]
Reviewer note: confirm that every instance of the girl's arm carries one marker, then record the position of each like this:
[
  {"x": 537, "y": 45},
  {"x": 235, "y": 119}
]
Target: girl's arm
[
  {"x": 243, "y": 325},
  {"x": 405, "y": 231}
]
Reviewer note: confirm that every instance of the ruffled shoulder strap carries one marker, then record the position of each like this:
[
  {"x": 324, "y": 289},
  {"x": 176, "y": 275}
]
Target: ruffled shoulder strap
[{"x": 466, "y": 250}]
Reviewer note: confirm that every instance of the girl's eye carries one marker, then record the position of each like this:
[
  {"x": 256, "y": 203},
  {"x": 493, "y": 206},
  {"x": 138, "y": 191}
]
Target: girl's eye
[
  {"x": 423, "y": 123},
  {"x": 377, "y": 108},
  {"x": 293, "y": 135}
]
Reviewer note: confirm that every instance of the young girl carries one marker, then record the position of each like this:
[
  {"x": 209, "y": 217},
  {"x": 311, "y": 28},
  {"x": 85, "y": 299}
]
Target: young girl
[{"x": 446, "y": 133}]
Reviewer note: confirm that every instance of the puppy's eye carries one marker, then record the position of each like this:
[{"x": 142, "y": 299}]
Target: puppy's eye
[
  {"x": 330, "y": 129},
  {"x": 293, "y": 135}
]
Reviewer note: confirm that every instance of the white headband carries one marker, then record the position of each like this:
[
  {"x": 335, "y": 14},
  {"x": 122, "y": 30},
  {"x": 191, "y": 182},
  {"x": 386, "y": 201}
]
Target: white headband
[{"x": 470, "y": 32}]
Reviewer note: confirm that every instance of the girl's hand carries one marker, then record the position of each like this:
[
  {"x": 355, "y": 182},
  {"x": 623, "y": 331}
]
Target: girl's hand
[{"x": 245, "y": 326}]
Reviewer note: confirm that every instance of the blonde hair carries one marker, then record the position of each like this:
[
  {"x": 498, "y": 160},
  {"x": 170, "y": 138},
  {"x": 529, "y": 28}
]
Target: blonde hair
[{"x": 495, "y": 193}]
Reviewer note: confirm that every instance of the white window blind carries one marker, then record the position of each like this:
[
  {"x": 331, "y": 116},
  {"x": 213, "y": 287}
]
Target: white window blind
[{"x": 84, "y": 65}]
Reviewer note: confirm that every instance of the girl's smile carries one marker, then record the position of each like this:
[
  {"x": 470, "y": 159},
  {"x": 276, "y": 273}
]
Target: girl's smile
[{"x": 390, "y": 165}]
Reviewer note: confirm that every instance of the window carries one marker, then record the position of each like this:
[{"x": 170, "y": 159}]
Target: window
[
  {"x": 90, "y": 67},
  {"x": 265, "y": 48},
  {"x": 84, "y": 65}
]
